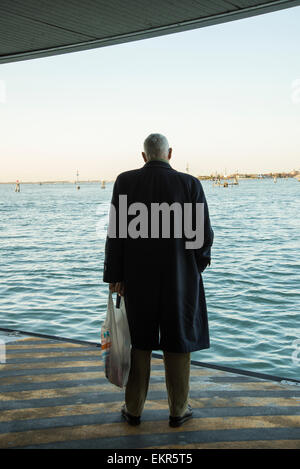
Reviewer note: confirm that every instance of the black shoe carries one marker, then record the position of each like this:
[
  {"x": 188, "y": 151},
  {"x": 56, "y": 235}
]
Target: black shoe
[
  {"x": 177, "y": 421},
  {"x": 131, "y": 419}
]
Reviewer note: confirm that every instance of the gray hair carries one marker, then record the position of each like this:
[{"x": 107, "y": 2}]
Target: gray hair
[{"x": 156, "y": 146}]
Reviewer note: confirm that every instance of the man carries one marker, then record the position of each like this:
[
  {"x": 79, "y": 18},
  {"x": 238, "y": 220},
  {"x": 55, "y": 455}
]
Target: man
[{"x": 158, "y": 271}]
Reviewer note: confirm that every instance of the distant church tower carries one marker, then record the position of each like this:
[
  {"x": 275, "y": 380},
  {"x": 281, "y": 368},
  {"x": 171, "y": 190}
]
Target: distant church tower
[{"x": 187, "y": 168}]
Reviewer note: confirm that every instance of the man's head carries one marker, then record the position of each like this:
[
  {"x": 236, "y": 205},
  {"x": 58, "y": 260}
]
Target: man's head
[{"x": 156, "y": 146}]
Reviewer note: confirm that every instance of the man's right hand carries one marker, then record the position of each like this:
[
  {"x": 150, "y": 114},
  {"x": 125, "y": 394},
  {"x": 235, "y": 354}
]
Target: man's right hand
[{"x": 117, "y": 287}]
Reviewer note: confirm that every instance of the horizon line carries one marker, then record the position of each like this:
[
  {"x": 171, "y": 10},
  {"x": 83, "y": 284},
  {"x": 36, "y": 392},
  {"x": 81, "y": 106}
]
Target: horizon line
[{"x": 291, "y": 173}]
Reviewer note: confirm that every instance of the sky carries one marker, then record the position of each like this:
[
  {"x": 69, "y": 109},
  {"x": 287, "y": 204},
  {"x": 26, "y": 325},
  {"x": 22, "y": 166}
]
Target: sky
[{"x": 227, "y": 97}]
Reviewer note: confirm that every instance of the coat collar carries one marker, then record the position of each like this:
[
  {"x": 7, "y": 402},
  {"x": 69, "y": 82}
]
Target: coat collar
[{"x": 161, "y": 163}]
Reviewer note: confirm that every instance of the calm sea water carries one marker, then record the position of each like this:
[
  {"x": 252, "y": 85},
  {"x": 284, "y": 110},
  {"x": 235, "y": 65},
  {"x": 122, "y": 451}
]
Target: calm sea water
[{"x": 52, "y": 248}]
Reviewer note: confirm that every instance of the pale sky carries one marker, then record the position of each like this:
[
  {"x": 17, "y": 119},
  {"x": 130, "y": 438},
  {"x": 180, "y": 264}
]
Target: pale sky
[{"x": 225, "y": 96}]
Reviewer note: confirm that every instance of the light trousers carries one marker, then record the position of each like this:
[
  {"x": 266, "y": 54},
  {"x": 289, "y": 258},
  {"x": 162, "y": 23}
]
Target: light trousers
[{"x": 177, "y": 375}]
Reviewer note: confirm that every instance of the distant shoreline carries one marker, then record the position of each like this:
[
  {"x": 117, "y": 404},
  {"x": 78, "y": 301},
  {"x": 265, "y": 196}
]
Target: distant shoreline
[
  {"x": 211, "y": 178},
  {"x": 56, "y": 182}
]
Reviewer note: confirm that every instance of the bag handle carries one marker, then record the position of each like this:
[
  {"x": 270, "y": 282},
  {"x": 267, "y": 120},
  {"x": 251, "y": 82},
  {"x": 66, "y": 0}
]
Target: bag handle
[{"x": 118, "y": 301}]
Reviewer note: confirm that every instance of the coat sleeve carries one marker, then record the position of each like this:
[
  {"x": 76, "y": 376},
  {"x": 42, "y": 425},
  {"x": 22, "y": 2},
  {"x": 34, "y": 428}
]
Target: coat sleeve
[
  {"x": 203, "y": 255},
  {"x": 114, "y": 246}
]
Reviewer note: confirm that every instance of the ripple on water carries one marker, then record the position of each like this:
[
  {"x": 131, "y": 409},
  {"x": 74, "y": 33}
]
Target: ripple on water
[{"x": 52, "y": 252}]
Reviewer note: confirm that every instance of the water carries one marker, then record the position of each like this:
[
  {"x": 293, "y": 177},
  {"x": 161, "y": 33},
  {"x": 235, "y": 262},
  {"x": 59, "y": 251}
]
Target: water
[{"x": 52, "y": 251}]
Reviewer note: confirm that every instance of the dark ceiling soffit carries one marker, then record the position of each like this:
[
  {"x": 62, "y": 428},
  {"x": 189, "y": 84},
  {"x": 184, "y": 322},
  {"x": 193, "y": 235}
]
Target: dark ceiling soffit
[{"x": 153, "y": 32}]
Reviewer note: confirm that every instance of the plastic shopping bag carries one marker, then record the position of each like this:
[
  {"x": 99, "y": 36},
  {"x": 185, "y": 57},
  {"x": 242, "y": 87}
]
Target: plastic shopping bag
[{"x": 116, "y": 343}]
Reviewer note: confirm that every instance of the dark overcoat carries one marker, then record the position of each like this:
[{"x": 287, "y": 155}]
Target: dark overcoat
[{"x": 164, "y": 293}]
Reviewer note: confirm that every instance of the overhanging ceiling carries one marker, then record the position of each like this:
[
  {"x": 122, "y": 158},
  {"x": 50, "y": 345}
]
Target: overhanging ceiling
[{"x": 39, "y": 28}]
